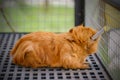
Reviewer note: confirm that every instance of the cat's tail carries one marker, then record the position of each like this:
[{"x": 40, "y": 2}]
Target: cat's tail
[{"x": 24, "y": 54}]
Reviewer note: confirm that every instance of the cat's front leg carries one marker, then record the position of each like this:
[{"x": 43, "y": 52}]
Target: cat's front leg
[{"x": 73, "y": 63}]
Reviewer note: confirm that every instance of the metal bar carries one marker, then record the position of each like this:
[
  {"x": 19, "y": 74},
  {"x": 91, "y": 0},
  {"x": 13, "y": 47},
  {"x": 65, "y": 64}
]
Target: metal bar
[
  {"x": 79, "y": 12},
  {"x": 114, "y": 3},
  {"x": 8, "y": 23}
]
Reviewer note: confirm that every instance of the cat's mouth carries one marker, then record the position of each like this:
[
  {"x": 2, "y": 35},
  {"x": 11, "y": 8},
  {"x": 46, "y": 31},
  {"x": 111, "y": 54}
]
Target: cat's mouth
[{"x": 95, "y": 36}]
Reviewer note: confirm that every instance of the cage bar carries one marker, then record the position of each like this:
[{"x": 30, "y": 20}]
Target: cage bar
[{"x": 79, "y": 12}]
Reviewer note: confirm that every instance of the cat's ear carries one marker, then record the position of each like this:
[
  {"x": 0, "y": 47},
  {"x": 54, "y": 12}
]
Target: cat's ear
[
  {"x": 71, "y": 30},
  {"x": 81, "y": 25}
]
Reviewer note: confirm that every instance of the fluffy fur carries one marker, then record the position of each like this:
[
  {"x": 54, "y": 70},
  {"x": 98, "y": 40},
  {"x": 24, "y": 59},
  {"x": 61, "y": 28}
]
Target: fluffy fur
[{"x": 46, "y": 49}]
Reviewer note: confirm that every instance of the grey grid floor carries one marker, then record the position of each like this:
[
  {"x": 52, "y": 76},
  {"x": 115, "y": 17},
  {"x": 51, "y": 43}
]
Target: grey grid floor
[{"x": 9, "y": 71}]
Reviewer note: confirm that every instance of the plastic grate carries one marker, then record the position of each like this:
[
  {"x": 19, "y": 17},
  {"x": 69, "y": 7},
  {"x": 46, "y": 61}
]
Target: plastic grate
[{"x": 9, "y": 71}]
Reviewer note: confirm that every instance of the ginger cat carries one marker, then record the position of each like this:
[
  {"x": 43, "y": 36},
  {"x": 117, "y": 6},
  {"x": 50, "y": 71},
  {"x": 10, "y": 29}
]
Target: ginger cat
[{"x": 47, "y": 49}]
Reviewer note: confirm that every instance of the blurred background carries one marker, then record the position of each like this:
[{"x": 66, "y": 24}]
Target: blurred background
[{"x": 36, "y": 15}]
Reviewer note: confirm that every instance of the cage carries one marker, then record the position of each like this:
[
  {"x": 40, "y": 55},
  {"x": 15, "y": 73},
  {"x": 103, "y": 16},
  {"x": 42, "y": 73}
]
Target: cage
[
  {"x": 106, "y": 14},
  {"x": 19, "y": 17}
]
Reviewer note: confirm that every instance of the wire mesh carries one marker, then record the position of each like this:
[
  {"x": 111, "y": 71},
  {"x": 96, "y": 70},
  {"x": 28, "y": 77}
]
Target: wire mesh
[
  {"x": 105, "y": 15},
  {"x": 36, "y": 15}
]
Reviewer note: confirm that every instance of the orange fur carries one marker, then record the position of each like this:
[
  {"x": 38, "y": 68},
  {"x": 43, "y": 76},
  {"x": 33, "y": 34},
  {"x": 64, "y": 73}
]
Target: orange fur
[{"x": 46, "y": 49}]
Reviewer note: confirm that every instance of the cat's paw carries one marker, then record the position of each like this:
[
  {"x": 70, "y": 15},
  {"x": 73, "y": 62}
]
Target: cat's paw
[
  {"x": 86, "y": 63},
  {"x": 85, "y": 66}
]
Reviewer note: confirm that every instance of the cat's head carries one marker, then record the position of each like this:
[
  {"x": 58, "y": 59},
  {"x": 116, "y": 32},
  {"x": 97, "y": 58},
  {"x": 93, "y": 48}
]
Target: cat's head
[{"x": 83, "y": 36}]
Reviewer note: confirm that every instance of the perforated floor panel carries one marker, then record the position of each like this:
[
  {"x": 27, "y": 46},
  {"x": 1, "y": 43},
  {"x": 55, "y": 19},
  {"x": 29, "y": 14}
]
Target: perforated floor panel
[{"x": 9, "y": 71}]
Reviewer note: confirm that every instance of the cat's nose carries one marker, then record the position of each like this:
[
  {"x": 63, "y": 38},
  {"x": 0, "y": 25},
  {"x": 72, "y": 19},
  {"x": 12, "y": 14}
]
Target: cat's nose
[{"x": 100, "y": 32}]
